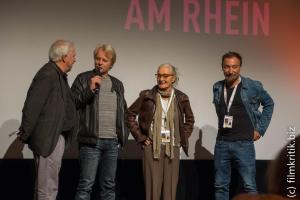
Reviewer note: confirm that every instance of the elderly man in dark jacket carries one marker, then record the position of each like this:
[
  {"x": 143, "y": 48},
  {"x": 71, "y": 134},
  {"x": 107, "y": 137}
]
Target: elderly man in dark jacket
[
  {"x": 165, "y": 122},
  {"x": 49, "y": 117}
]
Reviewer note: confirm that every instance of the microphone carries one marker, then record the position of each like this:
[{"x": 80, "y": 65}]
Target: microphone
[{"x": 98, "y": 72}]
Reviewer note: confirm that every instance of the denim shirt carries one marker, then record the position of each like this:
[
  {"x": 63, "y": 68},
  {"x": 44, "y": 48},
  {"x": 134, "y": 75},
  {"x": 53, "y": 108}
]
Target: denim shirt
[{"x": 253, "y": 96}]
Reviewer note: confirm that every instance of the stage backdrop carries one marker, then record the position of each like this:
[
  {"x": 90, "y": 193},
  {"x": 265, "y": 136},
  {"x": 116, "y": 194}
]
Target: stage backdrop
[{"x": 190, "y": 34}]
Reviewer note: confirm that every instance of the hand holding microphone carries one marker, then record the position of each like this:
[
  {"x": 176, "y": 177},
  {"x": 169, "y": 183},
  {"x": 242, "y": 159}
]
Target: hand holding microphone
[{"x": 95, "y": 81}]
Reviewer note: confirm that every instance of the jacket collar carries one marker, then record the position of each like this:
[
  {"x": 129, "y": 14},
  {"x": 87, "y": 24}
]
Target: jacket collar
[
  {"x": 244, "y": 81},
  {"x": 152, "y": 94},
  {"x": 59, "y": 71}
]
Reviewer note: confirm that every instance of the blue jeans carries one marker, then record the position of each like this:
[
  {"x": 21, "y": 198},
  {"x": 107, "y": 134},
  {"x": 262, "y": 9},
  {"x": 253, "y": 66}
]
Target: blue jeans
[
  {"x": 242, "y": 154},
  {"x": 101, "y": 157}
]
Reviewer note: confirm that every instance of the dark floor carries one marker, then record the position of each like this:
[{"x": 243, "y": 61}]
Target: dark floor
[{"x": 195, "y": 182}]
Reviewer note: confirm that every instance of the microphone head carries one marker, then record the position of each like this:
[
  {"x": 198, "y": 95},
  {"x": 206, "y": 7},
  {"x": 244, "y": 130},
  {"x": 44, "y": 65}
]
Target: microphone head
[{"x": 98, "y": 71}]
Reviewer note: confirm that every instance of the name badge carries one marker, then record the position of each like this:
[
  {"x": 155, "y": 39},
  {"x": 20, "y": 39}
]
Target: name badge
[
  {"x": 165, "y": 136},
  {"x": 228, "y": 120}
]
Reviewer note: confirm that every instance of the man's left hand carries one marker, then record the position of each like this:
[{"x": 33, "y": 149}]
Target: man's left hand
[{"x": 256, "y": 136}]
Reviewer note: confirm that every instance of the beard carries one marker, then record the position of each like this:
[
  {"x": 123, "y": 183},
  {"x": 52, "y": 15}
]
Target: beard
[{"x": 230, "y": 79}]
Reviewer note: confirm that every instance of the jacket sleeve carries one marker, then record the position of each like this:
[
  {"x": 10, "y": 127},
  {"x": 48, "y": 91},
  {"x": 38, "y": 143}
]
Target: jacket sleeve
[
  {"x": 37, "y": 95},
  {"x": 188, "y": 118},
  {"x": 125, "y": 130},
  {"x": 131, "y": 118},
  {"x": 267, "y": 111},
  {"x": 82, "y": 93}
]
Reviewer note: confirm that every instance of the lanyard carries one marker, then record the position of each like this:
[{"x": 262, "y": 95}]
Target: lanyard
[{"x": 231, "y": 97}]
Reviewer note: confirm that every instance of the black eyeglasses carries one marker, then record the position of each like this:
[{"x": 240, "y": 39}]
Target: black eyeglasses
[{"x": 163, "y": 75}]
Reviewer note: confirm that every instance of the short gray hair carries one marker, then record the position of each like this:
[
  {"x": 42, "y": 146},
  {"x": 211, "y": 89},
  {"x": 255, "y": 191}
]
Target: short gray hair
[
  {"x": 174, "y": 71},
  {"x": 59, "y": 49},
  {"x": 108, "y": 49}
]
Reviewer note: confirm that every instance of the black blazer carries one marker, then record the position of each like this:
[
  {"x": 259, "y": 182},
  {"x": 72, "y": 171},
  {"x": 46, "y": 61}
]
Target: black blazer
[{"x": 44, "y": 110}]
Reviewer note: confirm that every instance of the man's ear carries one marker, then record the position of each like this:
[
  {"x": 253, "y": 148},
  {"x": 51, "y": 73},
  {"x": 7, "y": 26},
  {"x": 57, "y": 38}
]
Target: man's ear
[
  {"x": 174, "y": 79},
  {"x": 63, "y": 58}
]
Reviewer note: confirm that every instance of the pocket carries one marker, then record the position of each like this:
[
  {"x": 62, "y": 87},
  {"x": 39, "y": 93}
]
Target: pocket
[
  {"x": 246, "y": 143},
  {"x": 116, "y": 142},
  {"x": 254, "y": 100},
  {"x": 254, "y": 103},
  {"x": 221, "y": 142}
]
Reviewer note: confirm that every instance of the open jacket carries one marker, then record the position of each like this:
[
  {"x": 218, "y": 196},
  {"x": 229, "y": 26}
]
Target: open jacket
[
  {"x": 144, "y": 107},
  {"x": 87, "y": 103},
  {"x": 44, "y": 111},
  {"x": 253, "y": 96}
]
